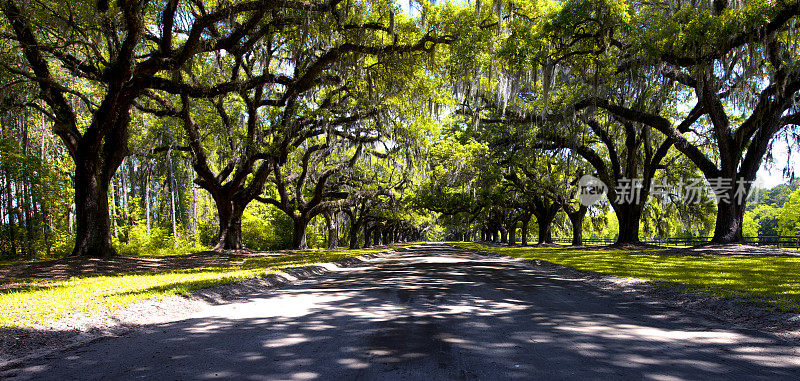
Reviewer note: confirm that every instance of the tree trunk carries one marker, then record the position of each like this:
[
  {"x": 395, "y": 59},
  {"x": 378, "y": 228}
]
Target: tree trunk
[
  {"x": 545, "y": 233},
  {"x": 503, "y": 235},
  {"x": 525, "y": 222},
  {"x": 193, "y": 218},
  {"x": 367, "y": 238},
  {"x": 333, "y": 232},
  {"x": 299, "y": 233},
  {"x": 71, "y": 219},
  {"x": 628, "y": 216},
  {"x": 124, "y": 196},
  {"x": 576, "y": 219},
  {"x": 729, "y": 223},
  {"x": 353, "y": 235},
  {"x": 171, "y": 181},
  {"x": 93, "y": 233},
  {"x": 512, "y": 234},
  {"x": 114, "y": 209},
  {"x": 12, "y": 233},
  {"x": 147, "y": 207},
  {"x": 230, "y": 224}
]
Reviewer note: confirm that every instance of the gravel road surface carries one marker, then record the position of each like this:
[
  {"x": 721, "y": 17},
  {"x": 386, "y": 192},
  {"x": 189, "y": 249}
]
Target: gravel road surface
[{"x": 431, "y": 312}]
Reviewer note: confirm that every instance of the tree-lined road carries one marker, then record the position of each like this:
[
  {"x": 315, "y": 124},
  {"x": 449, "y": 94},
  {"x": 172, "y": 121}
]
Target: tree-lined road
[{"x": 431, "y": 312}]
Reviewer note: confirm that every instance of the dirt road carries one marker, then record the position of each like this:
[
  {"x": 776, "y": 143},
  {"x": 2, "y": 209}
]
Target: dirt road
[{"x": 431, "y": 312}]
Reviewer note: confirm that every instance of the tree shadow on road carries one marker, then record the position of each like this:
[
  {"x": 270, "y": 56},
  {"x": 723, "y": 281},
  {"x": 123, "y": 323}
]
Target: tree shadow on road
[{"x": 453, "y": 315}]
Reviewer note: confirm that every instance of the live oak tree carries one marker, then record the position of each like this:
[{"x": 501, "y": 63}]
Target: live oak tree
[
  {"x": 359, "y": 207},
  {"x": 308, "y": 184},
  {"x": 546, "y": 183},
  {"x": 327, "y": 89},
  {"x": 373, "y": 184},
  {"x": 740, "y": 61},
  {"x": 103, "y": 59},
  {"x": 560, "y": 71},
  {"x": 449, "y": 182},
  {"x": 736, "y": 63}
]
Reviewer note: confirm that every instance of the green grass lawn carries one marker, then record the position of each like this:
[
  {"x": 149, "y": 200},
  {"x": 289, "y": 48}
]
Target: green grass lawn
[
  {"x": 774, "y": 280},
  {"x": 42, "y": 301}
]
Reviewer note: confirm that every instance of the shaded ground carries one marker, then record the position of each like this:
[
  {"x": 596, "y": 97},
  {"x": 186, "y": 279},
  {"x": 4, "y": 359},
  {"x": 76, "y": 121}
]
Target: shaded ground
[
  {"x": 68, "y": 267},
  {"x": 431, "y": 312}
]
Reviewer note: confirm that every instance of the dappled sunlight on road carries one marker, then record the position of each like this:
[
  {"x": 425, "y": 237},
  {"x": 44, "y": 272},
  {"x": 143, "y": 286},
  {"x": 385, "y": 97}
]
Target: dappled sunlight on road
[{"x": 432, "y": 312}]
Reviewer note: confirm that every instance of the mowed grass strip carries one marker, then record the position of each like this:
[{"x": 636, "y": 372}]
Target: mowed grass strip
[
  {"x": 773, "y": 280},
  {"x": 33, "y": 301}
]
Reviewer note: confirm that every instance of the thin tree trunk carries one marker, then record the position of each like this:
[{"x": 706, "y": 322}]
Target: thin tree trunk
[
  {"x": 46, "y": 223},
  {"x": 147, "y": 207},
  {"x": 27, "y": 202},
  {"x": 171, "y": 181},
  {"x": 124, "y": 188},
  {"x": 12, "y": 233},
  {"x": 114, "y": 209},
  {"x": 71, "y": 219},
  {"x": 193, "y": 222}
]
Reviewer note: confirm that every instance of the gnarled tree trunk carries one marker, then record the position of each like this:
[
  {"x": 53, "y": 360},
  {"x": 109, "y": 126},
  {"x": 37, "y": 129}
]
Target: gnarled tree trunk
[
  {"x": 333, "y": 231},
  {"x": 353, "y": 236},
  {"x": 512, "y": 234},
  {"x": 299, "y": 232},
  {"x": 730, "y": 208},
  {"x": 367, "y": 238},
  {"x": 628, "y": 216},
  {"x": 230, "y": 211},
  {"x": 576, "y": 219},
  {"x": 92, "y": 220},
  {"x": 729, "y": 223},
  {"x": 545, "y": 232},
  {"x": 545, "y": 211}
]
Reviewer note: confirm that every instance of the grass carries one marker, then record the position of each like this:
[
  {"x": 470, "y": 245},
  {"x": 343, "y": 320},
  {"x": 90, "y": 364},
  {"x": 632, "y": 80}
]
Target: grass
[
  {"x": 773, "y": 280},
  {"x": 39, "y": 301}
]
